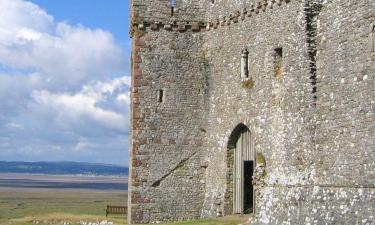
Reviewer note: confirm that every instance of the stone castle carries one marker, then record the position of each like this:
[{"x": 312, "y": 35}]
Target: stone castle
[{"x": 253, "y": 106}]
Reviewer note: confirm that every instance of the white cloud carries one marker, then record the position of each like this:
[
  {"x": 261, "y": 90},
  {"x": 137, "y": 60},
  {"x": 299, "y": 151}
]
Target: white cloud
[
  {"x": 61, "y": 88},
  {"x": 28, "y": 34},
  {"x": 81, "y": 146},
  {"x": 123, "y": 98},
  {"x": 83, "y": 106},
  {"x": 17, "y": 14},
  {"x": 15, "y": 126},
  {"x": 63, "y": 55}
]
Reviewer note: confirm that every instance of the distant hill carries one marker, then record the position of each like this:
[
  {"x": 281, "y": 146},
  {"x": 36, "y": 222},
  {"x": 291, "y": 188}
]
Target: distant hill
[{"x": 62, "y": 168}]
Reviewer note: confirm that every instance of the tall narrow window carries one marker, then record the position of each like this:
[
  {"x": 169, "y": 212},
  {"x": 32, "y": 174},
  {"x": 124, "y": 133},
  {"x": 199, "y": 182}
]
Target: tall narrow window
[
  {"x": 160, "y": 96},
  {"x": 245, "y": 63},
  {"x": 279, "y": 68},
  {"x": 173, "y": 7},
  {"x": 372, "y": 38}
]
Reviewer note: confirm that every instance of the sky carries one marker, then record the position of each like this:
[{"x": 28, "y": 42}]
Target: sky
[{"x": 64, "y": 80}]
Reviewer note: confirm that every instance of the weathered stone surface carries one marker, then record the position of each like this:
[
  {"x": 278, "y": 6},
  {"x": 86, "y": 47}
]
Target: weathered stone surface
[{"x": 313, "y": 120}]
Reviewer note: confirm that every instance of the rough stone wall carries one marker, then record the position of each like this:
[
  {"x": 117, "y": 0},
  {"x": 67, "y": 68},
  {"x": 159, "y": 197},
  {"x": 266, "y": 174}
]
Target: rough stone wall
[
  {"x": 277, "y": 109},
  {"x": 317, "y": 205},
  {"x": 160, "y": 10},
  {"x": 345, "y": 142},
  {"x": 166, "y": 171},
  {"x": 314, "y": 123},
  {"x": 346, "y": 95},
  {"x": 223, "y": 8},
  {"x": 166, "y": 176}
]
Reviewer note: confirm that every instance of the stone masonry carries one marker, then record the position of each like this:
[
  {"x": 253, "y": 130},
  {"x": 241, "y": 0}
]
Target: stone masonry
[{"x": 308, "y": 99}]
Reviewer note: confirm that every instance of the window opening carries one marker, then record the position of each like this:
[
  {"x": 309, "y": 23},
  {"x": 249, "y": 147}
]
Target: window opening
[
  {"x": 372, "y": 38},
  {"x": 245, "y": 63},
  {"x": 160, "y": 96},
  {"x": 279, "y": 69},
  {"x": 173, "y": 7}
]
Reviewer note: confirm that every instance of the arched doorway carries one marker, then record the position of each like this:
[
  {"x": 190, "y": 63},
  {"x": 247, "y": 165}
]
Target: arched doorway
[{"x": 242, "y": 160}]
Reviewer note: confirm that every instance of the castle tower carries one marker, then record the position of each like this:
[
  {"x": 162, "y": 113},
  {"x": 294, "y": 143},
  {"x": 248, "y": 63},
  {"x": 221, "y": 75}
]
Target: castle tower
[
  {"x": 253, "y": 106},
  {"x": 169, "y": 83}
]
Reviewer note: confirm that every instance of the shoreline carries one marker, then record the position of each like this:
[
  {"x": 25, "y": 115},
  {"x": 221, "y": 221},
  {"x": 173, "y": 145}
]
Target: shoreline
[
  {"x": 64, "y": 175},
  {"x": 59, "y": 190},
  {"x": 20, "y": 182}
]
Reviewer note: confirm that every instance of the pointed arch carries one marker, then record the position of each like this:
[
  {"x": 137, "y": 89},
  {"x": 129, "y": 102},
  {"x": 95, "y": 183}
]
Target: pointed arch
[{"x": 233, "y": 137}]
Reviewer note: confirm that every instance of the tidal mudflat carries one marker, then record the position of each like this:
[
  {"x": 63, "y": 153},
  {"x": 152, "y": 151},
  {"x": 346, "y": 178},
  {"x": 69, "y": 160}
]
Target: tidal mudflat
[
  {"x": 49, "y": 199},
  {"x": 38, "y": 182}
]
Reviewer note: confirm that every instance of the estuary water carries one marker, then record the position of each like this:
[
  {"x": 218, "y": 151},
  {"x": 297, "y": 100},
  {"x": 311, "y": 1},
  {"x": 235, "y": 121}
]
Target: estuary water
[{"x": 62, "y": 182}]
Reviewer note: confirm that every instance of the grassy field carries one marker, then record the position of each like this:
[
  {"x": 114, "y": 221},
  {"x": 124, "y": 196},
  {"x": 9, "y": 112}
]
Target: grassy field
[
  {"x": 72, "y": 208},
  {"x": 56, "y": 207}
]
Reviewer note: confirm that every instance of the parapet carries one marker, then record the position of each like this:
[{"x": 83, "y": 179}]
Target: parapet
[{"x": 182, "y": 22}]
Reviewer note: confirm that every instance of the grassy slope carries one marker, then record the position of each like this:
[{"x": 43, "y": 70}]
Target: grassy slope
[
  {"x": 20, "y": 207},
  {"x": 52, "y": 207}
]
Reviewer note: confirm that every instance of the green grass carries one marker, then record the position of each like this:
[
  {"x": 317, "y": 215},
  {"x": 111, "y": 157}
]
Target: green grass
[
  {"x": 55, "y": 208},
  {"x": 52, "y": 207},
  {"x": 60, "y": 218}
]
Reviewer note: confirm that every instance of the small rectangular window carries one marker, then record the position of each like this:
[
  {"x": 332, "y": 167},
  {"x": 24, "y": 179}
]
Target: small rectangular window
[
  {"x": 279, "y": 67},
  {"x": 245, "y": 63},
  {"x": 160, "y": 96},
  {"x": 372, "y": 38},
  {"x": 173, "y": 7}
]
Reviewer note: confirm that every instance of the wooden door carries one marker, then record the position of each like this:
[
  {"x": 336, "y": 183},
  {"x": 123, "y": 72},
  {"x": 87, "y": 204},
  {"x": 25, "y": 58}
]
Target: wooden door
[{"x": 244, "y": 159}]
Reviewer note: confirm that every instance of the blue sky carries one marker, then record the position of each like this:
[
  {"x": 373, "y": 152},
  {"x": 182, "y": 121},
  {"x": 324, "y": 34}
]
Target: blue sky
[
  {"x": 111, "y": 15},
  {"x": 64, "y": 80}
]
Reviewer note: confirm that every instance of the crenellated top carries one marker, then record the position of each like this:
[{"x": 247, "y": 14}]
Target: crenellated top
[{"x": 173, "y": 24}]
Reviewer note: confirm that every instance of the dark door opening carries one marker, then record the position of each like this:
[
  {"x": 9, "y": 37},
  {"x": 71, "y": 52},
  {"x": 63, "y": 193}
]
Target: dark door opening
[{"x": 248, "y": 187}]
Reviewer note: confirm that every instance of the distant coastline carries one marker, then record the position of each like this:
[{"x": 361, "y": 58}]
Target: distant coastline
[
  {"x": 43, "y": 182},
  {"x": 63, "y": 168}
]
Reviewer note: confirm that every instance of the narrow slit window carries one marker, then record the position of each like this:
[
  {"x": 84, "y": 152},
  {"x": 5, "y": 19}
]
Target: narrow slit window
[
  {"x": 160, "y": 96},
  {"x": 173, "y": 7},
  {"x": 372, "y": 38},
  {"x": 279, "y": 67},
  {"x": 245, "y": 63}
]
